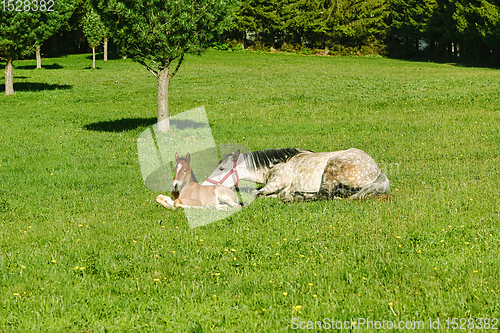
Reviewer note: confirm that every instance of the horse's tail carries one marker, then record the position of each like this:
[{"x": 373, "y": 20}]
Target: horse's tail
[{"x": 379, "y": 186}]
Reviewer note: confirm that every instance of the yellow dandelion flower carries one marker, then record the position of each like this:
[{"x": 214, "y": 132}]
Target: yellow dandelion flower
[
  {"x": 23, "y": 267},
  {"x": 315, "y": 295},
  {"x": 76, "y": 267},
  {"x": 217, "y": 274},
  {"x": 16, "y": 294},
  {"x": 302, "y": 256},
  {"x": 475, "y": 271},
  {"x": 442, "y": 240},
  {"x": 255, "y": 264},
  {"x": 156, "y": 280},
  {"x": 82, "y": 268},
  {"x": 297, "y": 308},
  {"x": 398, "y": 237},
  {"x": 310, "y": 284},
  {"x": 53, "y": 261},
  {"x": 233, "y": 250},
  {"x": 277, "y": 254},
  {"x": 285, "y": 293},
  {"x": 390, "y": 303}
]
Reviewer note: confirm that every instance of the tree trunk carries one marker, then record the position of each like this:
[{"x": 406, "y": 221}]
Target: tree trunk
[
  {"x": 93, "y": 57},
  {"x": 9, "y": 78},
  {"x": 162, "y": 99},
  {"x": 38, "y": 57},
  {"x": 105, "y": 49}
]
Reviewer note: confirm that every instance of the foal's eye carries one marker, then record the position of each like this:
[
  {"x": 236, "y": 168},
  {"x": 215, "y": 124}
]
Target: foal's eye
[
  {"x": 221, "y": 168},
  {"x": 185, "y": 171}
]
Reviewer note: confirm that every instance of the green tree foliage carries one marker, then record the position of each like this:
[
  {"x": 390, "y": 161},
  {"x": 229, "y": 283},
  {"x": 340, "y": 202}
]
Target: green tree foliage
[
  {"x": 464, "y": 28},
  {"x": 409, "y": 20},
  {"x": 94, "y": 30},
  {"x": 156, "y": 33},
  {"x": 314, "y": 22},
  {"x": 358, "y": 22},
  {"x": 443, "y": 28}
]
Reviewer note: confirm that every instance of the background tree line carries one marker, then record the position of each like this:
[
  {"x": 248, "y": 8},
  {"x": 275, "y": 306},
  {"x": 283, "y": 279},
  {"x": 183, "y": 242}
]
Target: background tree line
[{"x": 439, "y": 29}]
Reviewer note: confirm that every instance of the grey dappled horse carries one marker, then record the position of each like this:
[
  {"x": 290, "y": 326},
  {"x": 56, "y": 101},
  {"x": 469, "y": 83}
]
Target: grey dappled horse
[{"x": 299, "y": 174}]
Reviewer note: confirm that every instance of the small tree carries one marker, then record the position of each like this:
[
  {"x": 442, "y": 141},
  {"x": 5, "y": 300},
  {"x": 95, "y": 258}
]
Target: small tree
[
  {"x": 50, "y": 22},
  {"x": 16, "y": 39},
  {"x": 156, "y": 33},
  {"x": 22, "y": 31},
  {"x": 94, "y": 30}
]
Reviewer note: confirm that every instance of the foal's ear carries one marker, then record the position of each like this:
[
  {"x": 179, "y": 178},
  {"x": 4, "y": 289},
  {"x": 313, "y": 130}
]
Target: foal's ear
[
  {"x": 177, "y": 157},
  {"x": 236, "y": 154},
  {"x": 188, "y": 158}
]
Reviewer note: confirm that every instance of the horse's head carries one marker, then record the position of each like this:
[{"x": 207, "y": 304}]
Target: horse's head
[
  {"x": 182, "y": 172},
  {"x": 223, "y": 171}
]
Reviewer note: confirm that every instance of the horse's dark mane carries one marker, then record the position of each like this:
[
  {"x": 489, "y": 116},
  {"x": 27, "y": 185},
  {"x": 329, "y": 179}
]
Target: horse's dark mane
[{"x": 268, "y": 158}]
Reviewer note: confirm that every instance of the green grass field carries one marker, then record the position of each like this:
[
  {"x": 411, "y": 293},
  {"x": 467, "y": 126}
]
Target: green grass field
[{"x": 85, "y": 248}]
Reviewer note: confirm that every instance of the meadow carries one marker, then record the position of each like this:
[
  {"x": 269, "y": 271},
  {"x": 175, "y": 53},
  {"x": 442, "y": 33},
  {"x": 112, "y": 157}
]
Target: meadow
[{"x": 84, "y": 247}]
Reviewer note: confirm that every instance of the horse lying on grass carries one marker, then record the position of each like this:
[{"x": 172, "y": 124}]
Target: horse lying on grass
[
  {"x": 299, "y": 174},
  {"x": 188, "y": 192}
]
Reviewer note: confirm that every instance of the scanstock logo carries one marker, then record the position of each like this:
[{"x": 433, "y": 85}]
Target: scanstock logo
[{"x": 190, "y": 133}]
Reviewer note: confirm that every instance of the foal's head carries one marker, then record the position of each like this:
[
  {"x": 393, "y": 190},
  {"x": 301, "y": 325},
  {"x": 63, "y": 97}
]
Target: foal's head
[{"x": 183, "y": 173}]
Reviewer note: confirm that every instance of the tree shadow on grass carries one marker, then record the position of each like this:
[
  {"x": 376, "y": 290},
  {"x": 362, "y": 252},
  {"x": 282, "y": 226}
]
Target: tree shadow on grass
[
  {"x": 15, "y": 77},
  {"x": 129, "y": 124},
  {"x": 120, "y": 125},
  {"x": 31, "y": 86},
  {"x": 53, "y": 66}
]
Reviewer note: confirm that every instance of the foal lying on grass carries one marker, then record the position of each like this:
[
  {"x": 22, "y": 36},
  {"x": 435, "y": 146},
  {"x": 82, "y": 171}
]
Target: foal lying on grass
[{"x": 188, "y": 192}]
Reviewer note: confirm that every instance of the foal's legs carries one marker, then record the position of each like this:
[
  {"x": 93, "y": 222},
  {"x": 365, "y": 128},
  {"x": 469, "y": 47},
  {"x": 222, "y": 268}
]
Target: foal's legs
[
  {"x": 225, "y": 197},
  {"x": 165, "y": 201},
  {"x": 184, "y": 203}
]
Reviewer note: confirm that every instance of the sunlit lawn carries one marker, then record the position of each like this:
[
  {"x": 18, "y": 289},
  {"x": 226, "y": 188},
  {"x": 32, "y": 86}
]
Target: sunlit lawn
[{"x": 84, "y": 246}]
